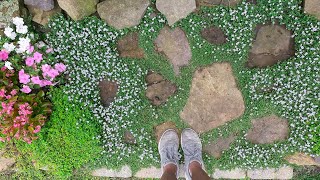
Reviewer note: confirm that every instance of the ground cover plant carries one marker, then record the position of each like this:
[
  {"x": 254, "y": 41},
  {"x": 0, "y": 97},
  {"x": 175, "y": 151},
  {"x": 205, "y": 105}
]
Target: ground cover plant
[{"x": 289, "y": 89}]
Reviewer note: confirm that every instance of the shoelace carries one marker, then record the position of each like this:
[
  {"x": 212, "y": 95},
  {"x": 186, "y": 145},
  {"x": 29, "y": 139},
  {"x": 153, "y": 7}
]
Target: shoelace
[
  {"x": 192, "y": 152},
  {"x": 171, "y": 153}
]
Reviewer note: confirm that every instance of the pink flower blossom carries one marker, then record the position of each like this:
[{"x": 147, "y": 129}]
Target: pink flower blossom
[
  {"x": 26, "y": 89},
  {"x": 37, "y": 57},
  {"x": 30, "y": 61},
  {"x": 37, "y": 129},
  {"x": 53, "y": 73},
  {"x": 23, "y": 77},
  {"x": 31, "y": 49},
  {"x": 13, "y": 92},
  {"x": 49, "y": 50},
  {"x": 45, "y": 83},
  {"x": 36, "y": 80},
  {"x": 4, "y": 55},
  {"x": 45, "y": 68},
  {"x": 60, "y": 67},
  {"x": 2, "y": 93}
]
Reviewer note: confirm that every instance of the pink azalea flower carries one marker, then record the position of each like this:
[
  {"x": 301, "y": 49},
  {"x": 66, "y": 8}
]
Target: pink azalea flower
[
  {"x": 30, "y": 61},
  {"x": 26, "y": 89},
  {"x": 2, "y": 93},
  {"x": 37, "y": 129},
  {"x": 31, "y": 49},
  {"x": 53, "y": 73},
  {"x": 36, "y": 80},
  {"x": 45, "y": 83},
  {"x": 4, "y": 55},
  {"x": 13, "y": 92},
  {"x": 45, "y": 68},
  {"x": 23, "y": 77},
  {"x": 37, "y": 57},
  {"x": 60, "y": 67}
]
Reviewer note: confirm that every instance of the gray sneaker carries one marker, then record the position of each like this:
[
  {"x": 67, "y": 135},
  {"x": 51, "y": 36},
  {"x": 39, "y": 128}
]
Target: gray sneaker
[
  {"x": 168, "y": 149},
  {"x": 192, "y": 148}
]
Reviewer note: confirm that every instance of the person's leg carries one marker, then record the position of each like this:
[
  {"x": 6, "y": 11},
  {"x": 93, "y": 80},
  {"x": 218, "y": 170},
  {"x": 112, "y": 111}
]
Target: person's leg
[
  {"x": 168, "y": 150},
  {"x": 192, "y": 148},
  {"x": 197, "y": 173},
  {"x": 169, "y": 172}
]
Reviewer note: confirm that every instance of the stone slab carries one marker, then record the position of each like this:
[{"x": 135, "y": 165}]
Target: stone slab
[
  {"x": 271, "y": 173},
  {"x": 124, "y": 172},
  {"x": 154, "y": 172},
  {"x": 229, "y": 174}
]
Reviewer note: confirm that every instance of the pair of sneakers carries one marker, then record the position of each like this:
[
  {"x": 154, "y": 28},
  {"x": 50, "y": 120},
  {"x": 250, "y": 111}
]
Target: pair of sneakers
[{"x": 191, "y": 145}]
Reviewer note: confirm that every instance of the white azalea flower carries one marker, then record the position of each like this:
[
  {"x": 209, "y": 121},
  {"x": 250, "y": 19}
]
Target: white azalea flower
[
  {"x": 9, "y": 47},
  {"x": 9, "y": 33},
  {"x": 22, "y": 29},
  {"x": 24, "y": 44},
  {"x": 18, "y": 21},
  {"x": 8, "y": 65}
]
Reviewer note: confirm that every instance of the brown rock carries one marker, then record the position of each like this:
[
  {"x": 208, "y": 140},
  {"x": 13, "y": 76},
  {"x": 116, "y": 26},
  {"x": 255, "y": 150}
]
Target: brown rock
[
  {"x": 153, "y": 77},
  {"x": 217, "y": 147},
  {"x": 268, "y": 130},
  {"x": 6, "y": 163},
  {"x": 161, "y": 128},
  {"x": 42, "y": 17},
  {"x": 214, "y": 35},
  {"x": 301, "y": 159},
  {"x": 273, "y": 43},
  {"x": 78, "y": 9},
  {"x": 129, "y": 138},
  {"x": 214, "y": 98},
  {"x": 175, "y": 46},
  {"x": 128, "y": 46},
  {"x": 219, "y": 2},
  {"x": 312, "y": 7},
  {"x": 160, "y": 92},
  {"x": 108, "y": 92}
]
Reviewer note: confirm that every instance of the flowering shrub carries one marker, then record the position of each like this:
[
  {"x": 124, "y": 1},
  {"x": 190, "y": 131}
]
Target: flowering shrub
[{"x": 26, "y": 68}]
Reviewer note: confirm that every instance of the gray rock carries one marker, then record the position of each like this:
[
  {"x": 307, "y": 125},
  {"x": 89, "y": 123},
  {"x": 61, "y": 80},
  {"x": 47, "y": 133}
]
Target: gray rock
[
  {"x": 78, "y": 9},
  {"x": 312, "y": 7},
  {"x": 268, "y": 130},
  {"x": 124, "y": 172},
  {"x": 42, "y": 17},
  {"x": 44, "y": 5},
  {"x": 216, "y": 148},
  {"x": 229, "y": 174},
  {"x": 175, "y": 46},
  {"x": 175, "y": 10},
  {"x": 8, "y": 10},
  {"x": 122, "y": 13},
  {"x": 214, "y": 98},
  {"x": 271, "y": 173},
  {"x": 273, "y": 43},
  {"x": 153, "y": 172}
]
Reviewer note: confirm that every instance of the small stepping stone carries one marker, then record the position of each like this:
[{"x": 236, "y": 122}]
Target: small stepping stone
[
  {"x": 231, "y": 3},
  {"x": 158, "y": 92},
  {"x": 273, "y": 43},
  {"x": 161, "y": 128},
  {"x": 214, "y": 35},
  {"x": 128, "y": 46},
  {"x": 214, "y": 98},
  {"x": 271, "y": 173},
  {"x": 153, "y": 78},
  {"x": 301, "y": 159},
  {"x": 175, "y": 10},
  {"x": 229, "y": 174},
  {"x": 268, "y": 130},
  {"x": 216, "y": 148},
  {"x": 122, "y": 13},
  {"x": 124, "y": 172},
  {"x": 108, "y": 92},
  {"x": 174, "y": 44},
  {"x": 312, "y": 7}
]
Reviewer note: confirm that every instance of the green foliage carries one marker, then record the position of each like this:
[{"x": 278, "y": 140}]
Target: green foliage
[{"x": 64, "y": 145}]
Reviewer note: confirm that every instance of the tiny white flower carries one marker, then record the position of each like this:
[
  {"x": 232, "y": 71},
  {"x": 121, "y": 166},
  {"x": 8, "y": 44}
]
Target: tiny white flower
[
  {"x": 22, "y": 29},
  {"x": 9, "y": 47},
  {"x": 17, "y": 21},
  {"x": 9, "y": 33},
  {"x": 8, "y": 64}
]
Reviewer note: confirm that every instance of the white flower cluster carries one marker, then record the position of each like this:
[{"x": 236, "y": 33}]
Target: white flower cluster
[{"x": 87, "y": 49}]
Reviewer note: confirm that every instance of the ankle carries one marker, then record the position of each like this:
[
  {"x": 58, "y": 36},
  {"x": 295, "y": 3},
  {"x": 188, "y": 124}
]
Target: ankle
[
  {"x": 170, "y": 168},
  {"x": 194, "y": 165}
]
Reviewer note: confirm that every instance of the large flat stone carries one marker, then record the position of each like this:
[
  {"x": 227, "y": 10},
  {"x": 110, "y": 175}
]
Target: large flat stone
[
  {"x": 271, "y": 173},
  {"x": 153, "y": 172},
  {"x": 78, "y": 9},
  {"x": 312, "y": 7},
  {"x": 124, "y": 172},
  {"x": 229, "y": 174},
  {"x": 173, "y": 43},
  {"x": 122, "y": 13},
  {"x": 174, "y": 10},
  {"x": 268, "y": 130},
  {"x": 214, "y": 98}
]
